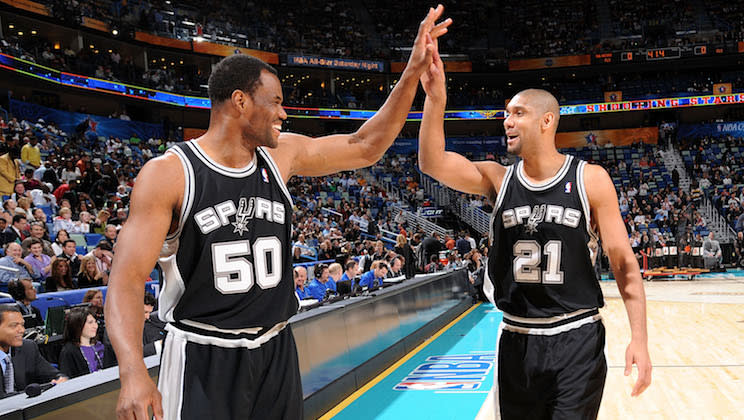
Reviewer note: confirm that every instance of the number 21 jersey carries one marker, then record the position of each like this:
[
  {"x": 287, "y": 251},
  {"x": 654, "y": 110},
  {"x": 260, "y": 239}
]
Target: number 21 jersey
[
  {"x": 541, "y": 258},
  {"x": 228, "y": 266}
]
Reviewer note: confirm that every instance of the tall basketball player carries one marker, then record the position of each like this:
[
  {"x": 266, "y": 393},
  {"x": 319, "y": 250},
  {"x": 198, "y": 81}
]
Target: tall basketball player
[
  {"x": 217, "y": 214},
  {"x": 548, "y": 210}
]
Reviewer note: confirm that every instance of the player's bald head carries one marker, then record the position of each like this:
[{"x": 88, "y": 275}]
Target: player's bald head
[{"x": 543, "y": 102}]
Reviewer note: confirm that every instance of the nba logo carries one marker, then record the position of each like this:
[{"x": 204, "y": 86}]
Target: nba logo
[
  {"x": 567, "y": 190},
  {"x": 264, "y": 175}
]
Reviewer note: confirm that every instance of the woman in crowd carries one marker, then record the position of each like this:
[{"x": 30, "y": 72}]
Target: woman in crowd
[
  {"x": 95, "y": 298},
  {"x": 24, "y": 208},
  {"x": 89, "y": 275},
  {"x": 9, "y": 208},
  {"x": 83, "y": 353},
  {"x": 99, "y": 225},
  {"x": 403, "y": 248},
  {"x": 61, "y": 278},
  {"x": 59, "y": 241}
]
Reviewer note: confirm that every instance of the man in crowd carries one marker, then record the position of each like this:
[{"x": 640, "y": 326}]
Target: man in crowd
[
  {"x": 104, "y": 258},
  {"x": 351, "y": 270},
  {"x": 30, "y": 153},
  {"x": 300, "y": 276},
  {"x": 37, "y": 232},
  {"x": 69, "y": 253},
  {"x": 110, "y": 233},
  {"x": 24, "y": 292},
  {"x": 432, "y": 245},
  {"x": 21, "y": 362},
  {"x": 16, "y": 232},
  {"x": 15, "y": 267},
  {"x": 712, "y": 254},
  {"x": 322, "y": 282},
  {"x": 375, "y": 276},
  {"x": 10, "y": 166}
]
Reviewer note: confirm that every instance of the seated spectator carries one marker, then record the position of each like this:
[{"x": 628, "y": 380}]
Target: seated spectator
[
  {"x": 154, "y": 330},
  {"x": 59, "y": 242},
  {"x": 99, "y": 225},
  {"x": 104, "y": 258},
  {"x": 69, "y": 253},
  {"x": 95, "y": 298},
  {"x": 61, "y": 279},
  {"x": 41, "y": 263},
  {"x": 712, "y": 252},
  {"x": 24, "y": 208},
  {"x": 89, "y": 275},
  {"x": 16, "y": 232},
  {"x": 374, "y": 277},
  {"x": 83, "y": 353},
  {"x": 433, "y": 265},
  {"x": 3, "y": 227},
  {"x": 64, "y": 222},
  {"x": 9, "y": 207},
  {"x": 335, "y": 271},
  {"x": 21, "y": 356},
  {"x": 396, "y": 267},
  {"x": 300, "y": 276},
  {"x": 24, "y": 293},
  {"x": 38, "y": 232},
  {"x": 322, "y": 282},
  {"x": 16, "y": 267},
  {"x": 351, "y": 272}
]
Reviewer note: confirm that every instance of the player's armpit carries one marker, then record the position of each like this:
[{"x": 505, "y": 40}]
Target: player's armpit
[{"x": 605, "y": 211}]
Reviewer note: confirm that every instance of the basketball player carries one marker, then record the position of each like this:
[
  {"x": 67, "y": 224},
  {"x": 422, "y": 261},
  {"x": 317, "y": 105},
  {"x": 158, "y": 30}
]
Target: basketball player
[
  {"x": 217, "y": 212},
  {"x": 548, "y": 210}
]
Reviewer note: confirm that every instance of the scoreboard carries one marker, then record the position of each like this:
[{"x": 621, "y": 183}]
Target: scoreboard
[{"x": 658, "y": 54}]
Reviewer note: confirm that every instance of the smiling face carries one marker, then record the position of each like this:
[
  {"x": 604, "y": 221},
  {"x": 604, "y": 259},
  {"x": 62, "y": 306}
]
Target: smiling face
[
  {"x": 11, "y": 330},
  {"x": 532, "y": 115},
  {"x": 262, "y": 119}
]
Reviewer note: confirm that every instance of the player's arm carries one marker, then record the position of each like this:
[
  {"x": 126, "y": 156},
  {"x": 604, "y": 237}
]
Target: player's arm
[
  {"x": 605, "y": 212},
  {"x": 449, "y": 168},
  {"x": 301, "y": 155},
  {"x": 153, "y": 201}
]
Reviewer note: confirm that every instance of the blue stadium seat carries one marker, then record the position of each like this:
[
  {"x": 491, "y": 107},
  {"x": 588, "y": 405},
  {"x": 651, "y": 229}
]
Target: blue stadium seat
[
  {"x": 93, "y": 238},
  {"x": 82, "y": 250}
]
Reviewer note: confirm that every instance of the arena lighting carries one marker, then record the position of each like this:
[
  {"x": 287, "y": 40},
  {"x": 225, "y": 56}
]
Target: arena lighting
[
  {"x": 20, "y": 33},
  {"x": 198, "y": 38},
  {"x": 11, "y": 26},
  {"x": 115, "y": 32},
  {"x": 33, "y": 32}
]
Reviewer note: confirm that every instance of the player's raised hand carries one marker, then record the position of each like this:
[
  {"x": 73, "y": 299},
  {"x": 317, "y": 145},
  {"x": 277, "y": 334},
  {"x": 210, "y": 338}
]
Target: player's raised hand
[
  {"x": 432, "y": 79},
  {"x": 424, "y": 47},
  {"x": 637, "y": 354}
]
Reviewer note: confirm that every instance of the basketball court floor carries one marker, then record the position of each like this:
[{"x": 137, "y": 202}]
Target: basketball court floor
[{"x": 696, "y": 342}]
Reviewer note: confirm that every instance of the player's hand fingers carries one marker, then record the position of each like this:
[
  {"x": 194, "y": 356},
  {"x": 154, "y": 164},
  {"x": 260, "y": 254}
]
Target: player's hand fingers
[
  {"x": 644, "y": 378},
  {"x": 157, "y": 406},
  {"x": 429, "y": 20},
  {"x": 628, "y": 362},
  {"x": 441, "y": 28}
]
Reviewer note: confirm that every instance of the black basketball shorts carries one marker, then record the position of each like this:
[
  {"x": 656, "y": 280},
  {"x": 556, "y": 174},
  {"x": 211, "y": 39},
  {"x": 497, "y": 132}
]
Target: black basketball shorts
[
  {"x": 555, "y": 369},
  {"x": 203, "y": 378}
]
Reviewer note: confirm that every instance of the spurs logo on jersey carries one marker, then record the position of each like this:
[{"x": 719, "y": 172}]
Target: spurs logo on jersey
[
  {"x": 214, "y": 217},
  {"x": 548, "y": 213}
]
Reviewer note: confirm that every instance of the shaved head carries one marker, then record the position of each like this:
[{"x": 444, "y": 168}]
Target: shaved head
[{"x": 543, "y": 101}]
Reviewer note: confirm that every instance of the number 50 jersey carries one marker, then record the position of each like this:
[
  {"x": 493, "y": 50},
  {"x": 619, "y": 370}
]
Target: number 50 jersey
[
  {"x": 541, "y": 258},
  {"x": 229, "y": 266}
]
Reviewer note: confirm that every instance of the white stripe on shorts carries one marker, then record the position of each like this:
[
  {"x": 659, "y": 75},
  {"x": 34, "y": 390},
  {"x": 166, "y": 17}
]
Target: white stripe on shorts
[{"x": 170, "y": 379}]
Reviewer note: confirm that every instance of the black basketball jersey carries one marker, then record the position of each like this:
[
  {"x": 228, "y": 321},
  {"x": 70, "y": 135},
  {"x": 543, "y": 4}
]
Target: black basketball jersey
[
  {"x": 229, "y": 264},
  {"x": 542, "y": 249}
]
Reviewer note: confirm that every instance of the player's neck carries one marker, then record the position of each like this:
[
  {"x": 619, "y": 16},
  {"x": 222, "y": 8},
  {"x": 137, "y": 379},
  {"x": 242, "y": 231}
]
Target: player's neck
[
  {"x": 542, "y": 165},
  {"x": 226, "y": 148}
]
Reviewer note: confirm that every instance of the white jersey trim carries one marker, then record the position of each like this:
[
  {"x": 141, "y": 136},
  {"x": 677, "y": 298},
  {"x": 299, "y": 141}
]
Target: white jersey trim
[
  {"x": 522, "y": 177},
  {"x": 488, "y": 288},
  {"x": 173, "y": 287},
  {"x": 585, "y": 199},
  {"x": 277, "y": 175},
  {"x": 188, "y": 190},
  {"x": 499, "y": 200},
  {"x": 224, "y": 342},
  {"x": 549, "y": 320},
  {"x": 221, "y": 169}
]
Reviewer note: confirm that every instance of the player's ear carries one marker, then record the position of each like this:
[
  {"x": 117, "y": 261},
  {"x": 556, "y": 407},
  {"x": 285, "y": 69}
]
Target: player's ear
[
  {"x": 241, "y": 100},
  {"x": 548, "y": 121}
]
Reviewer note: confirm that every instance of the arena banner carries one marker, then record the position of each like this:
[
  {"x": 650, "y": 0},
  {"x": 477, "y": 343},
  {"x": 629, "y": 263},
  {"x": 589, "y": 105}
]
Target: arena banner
[
  {"x": 95, "y": 24},
  {"x": 449, "y": 66},
  {"x": 28, "y": 5},
  {"x": 722, "y": 88},
  {"x": 494, "y": 144},
  {"x": 741, "y": 46},
  {"x": 735, "y": 129},
  {"x": 91, "y": 125},
  {"x": 614, "y": 96},
  {"x": 302, "y": 60},
  {"x": 550, "y": 62},
  {"x": 206, "y": 47},
  {"x": 162, "y": 41},
  {"x": 621, "y": 137}
]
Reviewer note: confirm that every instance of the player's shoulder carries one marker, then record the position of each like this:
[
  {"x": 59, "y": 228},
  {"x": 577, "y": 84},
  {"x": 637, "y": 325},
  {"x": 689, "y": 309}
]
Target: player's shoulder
[{"x": 163, "y": 165}]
